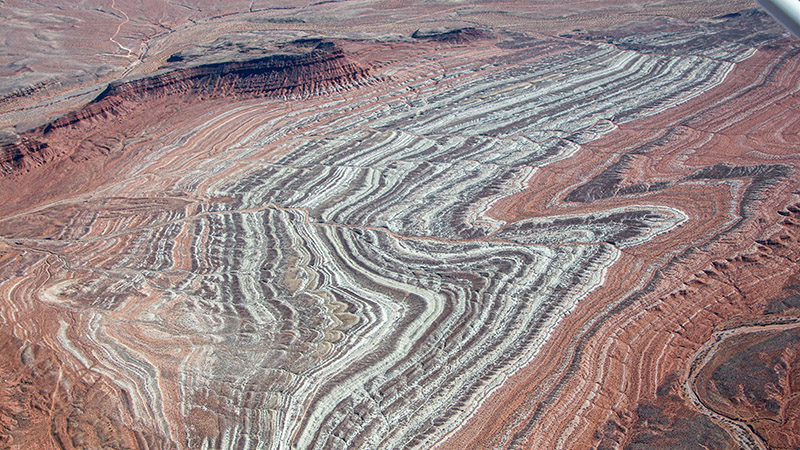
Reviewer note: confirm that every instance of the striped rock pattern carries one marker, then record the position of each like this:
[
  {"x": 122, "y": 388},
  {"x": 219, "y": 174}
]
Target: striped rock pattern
[{"x": 326, "y": 268}]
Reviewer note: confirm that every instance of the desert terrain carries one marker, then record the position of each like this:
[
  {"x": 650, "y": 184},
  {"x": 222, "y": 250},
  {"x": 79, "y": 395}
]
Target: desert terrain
[{"x": 384, "y": 224}]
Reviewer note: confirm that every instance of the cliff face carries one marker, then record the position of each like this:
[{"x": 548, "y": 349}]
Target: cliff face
[
  {"x": 323, "y": 68},
  {"x": 22, "y": 155},
  {"x": 308, "y": 68}
]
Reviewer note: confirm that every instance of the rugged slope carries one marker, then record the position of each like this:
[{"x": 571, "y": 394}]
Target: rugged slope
[
  {"x": 457, "y": 238},
  {"x": 303, "y": 67}
]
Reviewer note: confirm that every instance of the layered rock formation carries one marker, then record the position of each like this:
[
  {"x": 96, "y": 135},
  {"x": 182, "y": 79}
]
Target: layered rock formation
[
  {"x": 462, "y": 238},
  {"x": 304, "y": 67}
]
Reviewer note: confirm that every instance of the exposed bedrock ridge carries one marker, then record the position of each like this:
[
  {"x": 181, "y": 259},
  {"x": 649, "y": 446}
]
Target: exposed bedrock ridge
[
  {"x": 458, "y": 35},
  {"x": 297, "y": 295},
  {"x": 324, "y": 67},
  {"x": 298, "y": 71}
]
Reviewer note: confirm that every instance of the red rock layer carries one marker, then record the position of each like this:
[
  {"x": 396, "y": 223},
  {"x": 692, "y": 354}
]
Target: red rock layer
[
  {"x": 44, "y": 405},
  {"x": 613, "y": 374},
  {"x": 321, "y": 68},
  {"x": 753, "y": 379},
  {"x": 170, "y": 279}
]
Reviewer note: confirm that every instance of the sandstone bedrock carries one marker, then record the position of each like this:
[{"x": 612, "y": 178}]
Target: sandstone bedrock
[{"x": 386, "y": 225}]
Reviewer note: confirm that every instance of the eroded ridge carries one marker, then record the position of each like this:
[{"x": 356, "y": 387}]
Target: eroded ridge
[
  {"x": 619, "y": 382},
  {"x": 299, "y": 270}
]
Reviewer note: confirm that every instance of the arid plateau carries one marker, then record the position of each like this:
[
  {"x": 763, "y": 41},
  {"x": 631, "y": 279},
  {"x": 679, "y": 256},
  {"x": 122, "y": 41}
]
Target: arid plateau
[{"x": 398, "y": 224}]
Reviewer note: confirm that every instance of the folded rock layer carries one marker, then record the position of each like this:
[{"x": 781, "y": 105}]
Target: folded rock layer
[{"x": 461, "y": 238}]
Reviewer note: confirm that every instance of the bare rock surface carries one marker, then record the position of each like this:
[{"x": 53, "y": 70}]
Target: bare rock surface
[{"x": 395, "y": 225}]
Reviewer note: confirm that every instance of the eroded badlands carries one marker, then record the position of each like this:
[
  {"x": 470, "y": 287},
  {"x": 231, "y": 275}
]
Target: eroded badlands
[{"x": 458, "y": 238}]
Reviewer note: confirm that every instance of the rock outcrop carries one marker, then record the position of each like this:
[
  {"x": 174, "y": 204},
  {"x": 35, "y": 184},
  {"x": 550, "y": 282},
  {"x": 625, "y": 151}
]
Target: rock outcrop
[
  {"x": 302, "y": 68},
  {"x": 452, "y": 240}
]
